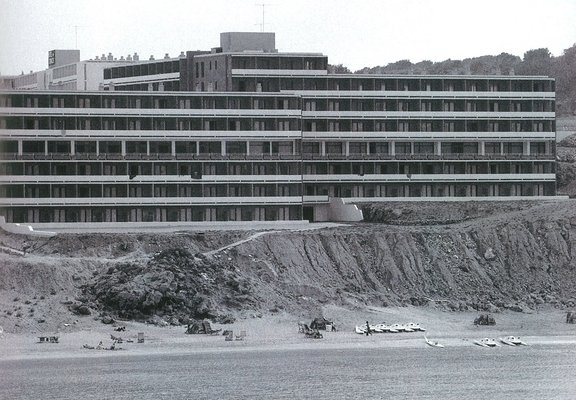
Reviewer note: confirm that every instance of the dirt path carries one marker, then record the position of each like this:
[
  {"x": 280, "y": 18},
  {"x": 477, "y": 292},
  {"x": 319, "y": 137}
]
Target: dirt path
[{"x": 239, "y": 242}]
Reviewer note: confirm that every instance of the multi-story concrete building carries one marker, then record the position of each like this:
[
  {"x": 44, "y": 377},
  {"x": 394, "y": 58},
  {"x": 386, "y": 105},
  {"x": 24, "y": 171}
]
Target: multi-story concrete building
[
  {"x": 278, "y": 139},
  {"x": 66, "y": 72}
]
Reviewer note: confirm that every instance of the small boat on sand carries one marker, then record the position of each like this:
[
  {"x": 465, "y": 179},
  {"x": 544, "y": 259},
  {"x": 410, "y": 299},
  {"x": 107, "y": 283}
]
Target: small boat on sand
[
  {"x": 360, "y": 330},
  {"x": 486, "y": 342},
  {"x": 380, "y": 328},
  {"x": 432, "y": 343},
  {"x": 513, "y": 341},
  {"x": 415, "y": 327}
]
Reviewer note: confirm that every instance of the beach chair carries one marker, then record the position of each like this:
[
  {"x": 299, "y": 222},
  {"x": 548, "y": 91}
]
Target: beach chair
[
  {"x": 229, "y": 336},
  {"x": 208, "y": 328},
  {"x": 140, "y": 337},
  {"x": 241, "y": 336}
]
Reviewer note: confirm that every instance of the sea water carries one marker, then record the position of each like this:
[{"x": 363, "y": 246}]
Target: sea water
[{"x": 465, "y": 372}]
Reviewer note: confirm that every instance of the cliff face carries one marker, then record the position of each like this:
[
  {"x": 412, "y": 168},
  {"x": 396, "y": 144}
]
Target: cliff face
[
  {"x": 515, "y": 261},
  {"x": 464, "y": 256},
  {"x": 566, "y": 165}
]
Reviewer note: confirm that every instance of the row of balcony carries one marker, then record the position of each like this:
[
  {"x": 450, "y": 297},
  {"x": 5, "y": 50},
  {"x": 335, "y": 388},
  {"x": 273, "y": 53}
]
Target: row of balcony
[{"x": 274, "y": 157}]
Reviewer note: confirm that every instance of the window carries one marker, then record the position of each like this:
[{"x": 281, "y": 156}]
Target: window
[
  {"x": 403, "y": 148},
  {"x": 235, "y": 147},
  {"x": 378, "y": 148},
  {"x": 334, "y": 148},
  {"x": 424, "y": 148},
  {"x": 85, "y": 147},
  {"x": 58, "y": 147},
  {"x": 403, "y": 126},
  {"x": 492, "y": 148},
  {"x": 311, "y": 148},
  {"x": 357, "y": 148}
]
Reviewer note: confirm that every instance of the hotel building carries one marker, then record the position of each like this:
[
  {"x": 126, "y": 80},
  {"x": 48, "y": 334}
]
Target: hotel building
[{"x": 243, "y": 132}]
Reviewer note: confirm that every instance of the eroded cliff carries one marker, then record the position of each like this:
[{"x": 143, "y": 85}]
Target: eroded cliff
[{"x": 484, "y": 256}]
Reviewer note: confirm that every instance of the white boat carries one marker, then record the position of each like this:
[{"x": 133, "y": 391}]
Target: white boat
[
  {"x": 395, "y": 328},
  {"x": 486, "y": 342},
  {"x": 432, "y": 343},
  {"x": 361, "y": 330},
  {"x": 380, "y": 328},
  {"x": 415, "y": 327},
  {"x": 513, "y": 341}
]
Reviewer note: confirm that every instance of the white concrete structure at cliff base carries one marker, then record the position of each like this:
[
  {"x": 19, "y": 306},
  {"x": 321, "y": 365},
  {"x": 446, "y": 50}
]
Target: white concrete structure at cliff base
[{"x": 22, "y": 229}]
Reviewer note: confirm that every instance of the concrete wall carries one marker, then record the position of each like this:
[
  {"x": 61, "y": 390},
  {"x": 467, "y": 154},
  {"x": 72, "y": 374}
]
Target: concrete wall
[
  {"x": 63, "y": 57},
  {"x": 242, "y": 41},
  {"x": 22, "y": 229},
  {"x": 342, "y": 212},
  {"x": 123, "y": 227}
]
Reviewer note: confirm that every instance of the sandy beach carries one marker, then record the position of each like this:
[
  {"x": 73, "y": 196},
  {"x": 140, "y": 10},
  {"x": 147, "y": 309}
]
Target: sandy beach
[{"x": 280, "y": 332}]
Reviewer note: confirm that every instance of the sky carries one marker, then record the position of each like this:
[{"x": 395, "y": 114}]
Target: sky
[{"x": 355, "y": 33}]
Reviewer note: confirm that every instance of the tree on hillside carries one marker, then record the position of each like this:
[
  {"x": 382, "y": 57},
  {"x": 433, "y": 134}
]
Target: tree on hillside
[
  {"x": 564, "y": 71},
  {"x": 447, "y": 67},
  {"x": 338, "y": 69},
  {"x": 535, "y": 62}
]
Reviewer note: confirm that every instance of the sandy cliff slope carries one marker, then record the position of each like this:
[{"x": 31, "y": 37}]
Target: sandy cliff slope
[{"x": 464, "y": 256}]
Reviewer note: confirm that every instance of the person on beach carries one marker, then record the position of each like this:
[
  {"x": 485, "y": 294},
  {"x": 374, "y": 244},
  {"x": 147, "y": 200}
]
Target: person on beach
[{"x": 368, "y": 330}]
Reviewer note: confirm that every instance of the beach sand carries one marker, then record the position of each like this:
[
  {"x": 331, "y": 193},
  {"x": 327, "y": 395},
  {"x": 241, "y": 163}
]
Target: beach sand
[{"x": 280, "y": 332}]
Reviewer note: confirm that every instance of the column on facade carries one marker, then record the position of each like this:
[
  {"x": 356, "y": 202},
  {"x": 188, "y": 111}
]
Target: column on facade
[
  {"x": 526, "y": 148},
  {"x": 438, "y": 148},
  {"x": 173, "y": 148},
  {"x": 72, "y": 148},
  {"x": 223, "y": 146},
  {"x": 392, "y": 149},
  {"x": 20, "y": 147},
  {"x": 123, "y": 145},
  {"x": 482, "y": 148},
  {"x": 323, "y": 148}
]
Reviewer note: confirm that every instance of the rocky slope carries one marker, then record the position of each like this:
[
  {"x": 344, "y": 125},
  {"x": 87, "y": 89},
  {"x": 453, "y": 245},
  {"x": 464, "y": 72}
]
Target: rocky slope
[
  {"x": 484, "y": 256},
  {"x": 566, "y": 166}
]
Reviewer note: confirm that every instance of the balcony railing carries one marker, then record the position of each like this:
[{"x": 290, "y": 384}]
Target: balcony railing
[{"x": 256, "y": 157}]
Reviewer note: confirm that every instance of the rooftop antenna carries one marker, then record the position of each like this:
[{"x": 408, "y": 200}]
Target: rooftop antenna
[
  {"x": 76, "y": 35},
  {"x": 263, "y": 5}
]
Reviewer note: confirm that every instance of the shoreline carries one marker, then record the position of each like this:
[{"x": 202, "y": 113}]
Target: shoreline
[{"x": 280, "y": 333}]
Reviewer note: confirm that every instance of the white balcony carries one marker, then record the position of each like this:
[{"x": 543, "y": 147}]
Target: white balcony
[
  {"x": 150, "y": 201},
  {"x": 278, "y": 72},
  {"x": 427, "y": 178}
]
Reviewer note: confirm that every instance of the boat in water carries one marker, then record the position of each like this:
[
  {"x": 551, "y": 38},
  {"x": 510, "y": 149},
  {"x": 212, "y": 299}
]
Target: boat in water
[{"x": 513, "y": 341}]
